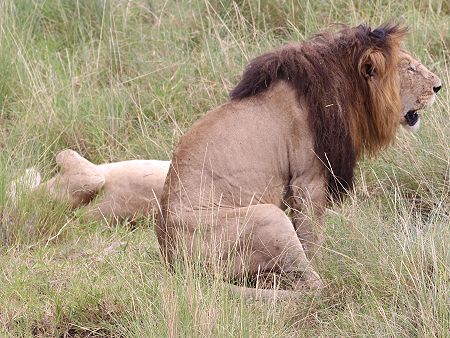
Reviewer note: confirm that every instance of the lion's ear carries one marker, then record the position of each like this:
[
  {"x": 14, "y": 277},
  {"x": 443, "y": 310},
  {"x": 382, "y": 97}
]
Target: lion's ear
[
  {"x": 372, "y": 64},
  {"x": 368, "y": 70}
]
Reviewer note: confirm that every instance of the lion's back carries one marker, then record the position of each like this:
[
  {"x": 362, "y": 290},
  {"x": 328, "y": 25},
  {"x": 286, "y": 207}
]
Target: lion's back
[{"x": 236, "y": 154}]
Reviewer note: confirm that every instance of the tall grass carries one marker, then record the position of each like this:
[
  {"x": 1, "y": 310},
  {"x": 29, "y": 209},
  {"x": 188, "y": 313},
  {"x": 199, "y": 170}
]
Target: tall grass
[{"x": 118, "y": 80}]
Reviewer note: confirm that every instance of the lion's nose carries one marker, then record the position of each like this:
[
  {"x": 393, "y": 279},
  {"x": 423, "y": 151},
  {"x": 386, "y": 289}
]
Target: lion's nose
[{"x": 436, "y": 89}]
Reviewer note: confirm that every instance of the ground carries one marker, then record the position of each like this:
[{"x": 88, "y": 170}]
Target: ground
[{"x": 118, "y": 80}]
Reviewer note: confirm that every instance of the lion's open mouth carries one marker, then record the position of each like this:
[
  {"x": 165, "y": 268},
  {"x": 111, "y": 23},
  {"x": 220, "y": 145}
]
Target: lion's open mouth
[{"x": 411, "y": 117}]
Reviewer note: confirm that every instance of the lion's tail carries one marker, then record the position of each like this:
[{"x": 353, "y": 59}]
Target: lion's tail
[{"x": 270, "y": 294}]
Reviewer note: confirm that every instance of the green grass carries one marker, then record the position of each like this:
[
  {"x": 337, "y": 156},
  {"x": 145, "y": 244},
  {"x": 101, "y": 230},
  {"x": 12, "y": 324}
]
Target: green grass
[{"x": 118, "y": 80}]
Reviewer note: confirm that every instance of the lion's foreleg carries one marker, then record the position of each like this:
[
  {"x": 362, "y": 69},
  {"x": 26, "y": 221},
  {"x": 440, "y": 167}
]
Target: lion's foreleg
[
  {"x": 309, "y": 230},
  {"x": 307, "y": 208}
]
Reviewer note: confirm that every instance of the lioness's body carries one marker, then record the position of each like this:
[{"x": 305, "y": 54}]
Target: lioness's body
[
  {"x": 132, "y": 188},
  {"x": 110, "y": 191}
]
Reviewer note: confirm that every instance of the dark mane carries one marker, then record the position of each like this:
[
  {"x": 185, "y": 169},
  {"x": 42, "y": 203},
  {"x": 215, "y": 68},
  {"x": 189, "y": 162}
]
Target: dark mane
[{"x": 349, "y": 81}]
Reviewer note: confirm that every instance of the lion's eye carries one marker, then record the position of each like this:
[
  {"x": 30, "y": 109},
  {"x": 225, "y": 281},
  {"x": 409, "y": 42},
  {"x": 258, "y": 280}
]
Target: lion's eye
[{"x": 411, "y": 69}]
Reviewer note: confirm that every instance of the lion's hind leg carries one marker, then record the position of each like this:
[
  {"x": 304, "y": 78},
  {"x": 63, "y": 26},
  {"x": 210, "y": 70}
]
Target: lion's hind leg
[
  {"x": 277, "y": 248},
  {"x": 251, "y": 240}
]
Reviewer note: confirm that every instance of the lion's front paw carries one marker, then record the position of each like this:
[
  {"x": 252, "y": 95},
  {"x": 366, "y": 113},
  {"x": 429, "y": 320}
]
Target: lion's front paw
[{"x": 309, "y": 280}]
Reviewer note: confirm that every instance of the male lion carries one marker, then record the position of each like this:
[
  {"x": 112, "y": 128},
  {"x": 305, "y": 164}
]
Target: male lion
[{"x": 290, "y": 136}]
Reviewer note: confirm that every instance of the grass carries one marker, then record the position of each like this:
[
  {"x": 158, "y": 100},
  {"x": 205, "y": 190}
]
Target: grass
[{"x": 119, "y": 80}]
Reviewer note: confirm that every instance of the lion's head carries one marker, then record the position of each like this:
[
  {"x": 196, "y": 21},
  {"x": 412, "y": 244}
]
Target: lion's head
[{"x": 418, "y": 88}]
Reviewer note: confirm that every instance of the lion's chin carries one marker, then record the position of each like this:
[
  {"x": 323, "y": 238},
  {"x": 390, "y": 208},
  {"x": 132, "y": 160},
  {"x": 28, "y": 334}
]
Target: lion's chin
[{"x": 411, "y": 121}]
